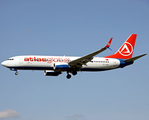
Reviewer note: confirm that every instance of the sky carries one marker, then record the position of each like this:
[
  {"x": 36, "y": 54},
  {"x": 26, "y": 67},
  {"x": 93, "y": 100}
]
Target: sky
[{"x": 73, "y": 28}]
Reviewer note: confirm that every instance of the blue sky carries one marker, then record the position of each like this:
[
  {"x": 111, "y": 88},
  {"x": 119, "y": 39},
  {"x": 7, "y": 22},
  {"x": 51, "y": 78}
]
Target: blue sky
[{"x": 73, "y": 28}]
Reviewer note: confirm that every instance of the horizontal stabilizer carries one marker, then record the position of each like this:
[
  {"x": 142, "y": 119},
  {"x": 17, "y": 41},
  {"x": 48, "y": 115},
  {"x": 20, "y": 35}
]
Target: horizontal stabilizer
[{"x": 134, "y": 58}]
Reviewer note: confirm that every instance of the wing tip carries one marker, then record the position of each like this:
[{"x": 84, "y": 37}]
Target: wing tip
[{"x": 109, "y": 43}]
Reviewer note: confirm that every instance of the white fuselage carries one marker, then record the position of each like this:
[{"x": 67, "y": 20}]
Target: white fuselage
[{"x": 34, "y": 62}]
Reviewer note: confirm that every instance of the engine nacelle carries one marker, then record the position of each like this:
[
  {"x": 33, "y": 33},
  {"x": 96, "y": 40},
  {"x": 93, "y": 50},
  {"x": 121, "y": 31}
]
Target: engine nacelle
[
  {"x": 51, "y": 73},
  {"x": 61, "y": 66}
]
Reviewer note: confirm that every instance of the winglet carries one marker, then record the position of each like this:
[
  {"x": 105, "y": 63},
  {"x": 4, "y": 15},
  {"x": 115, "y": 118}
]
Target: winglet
[{"x": 109, "y": 43}]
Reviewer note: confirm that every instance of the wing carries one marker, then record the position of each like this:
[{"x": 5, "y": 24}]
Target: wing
[{"x": 87, "y": 58}]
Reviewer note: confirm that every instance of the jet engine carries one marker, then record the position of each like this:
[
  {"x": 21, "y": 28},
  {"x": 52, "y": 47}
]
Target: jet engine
[
  {"x": 51, "y": 73},
  {"x": 61, "y": 66}
]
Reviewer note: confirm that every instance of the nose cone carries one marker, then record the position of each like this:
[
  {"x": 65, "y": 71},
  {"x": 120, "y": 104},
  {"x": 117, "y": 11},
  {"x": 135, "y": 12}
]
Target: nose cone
[{"x": 4, "y": 63}]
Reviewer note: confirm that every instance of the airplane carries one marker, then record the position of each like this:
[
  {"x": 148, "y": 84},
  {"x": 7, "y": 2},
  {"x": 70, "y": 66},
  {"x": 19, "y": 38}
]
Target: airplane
[{"x": 55, "y": 65}]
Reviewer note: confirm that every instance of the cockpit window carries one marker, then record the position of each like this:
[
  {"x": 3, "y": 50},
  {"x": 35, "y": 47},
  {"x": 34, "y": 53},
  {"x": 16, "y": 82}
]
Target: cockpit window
[{"x": 11, "y": 59}]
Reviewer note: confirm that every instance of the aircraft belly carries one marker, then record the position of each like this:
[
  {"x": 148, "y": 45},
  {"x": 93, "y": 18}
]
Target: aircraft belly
[{"x": 34, "y": 66}]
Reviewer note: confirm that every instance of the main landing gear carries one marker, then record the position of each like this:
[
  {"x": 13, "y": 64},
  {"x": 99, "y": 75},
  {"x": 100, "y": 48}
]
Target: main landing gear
[
  {"x": 69, "y": 76},
  {"x": 74, "y": 72}
]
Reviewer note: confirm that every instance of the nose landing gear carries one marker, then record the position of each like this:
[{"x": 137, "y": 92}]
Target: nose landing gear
[
  {"x": 16, "y": 73},
  {"x": 13, "y": 69}
]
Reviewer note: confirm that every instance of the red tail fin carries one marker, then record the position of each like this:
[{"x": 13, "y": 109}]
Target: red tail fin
[{"x": 126, "y": 50}]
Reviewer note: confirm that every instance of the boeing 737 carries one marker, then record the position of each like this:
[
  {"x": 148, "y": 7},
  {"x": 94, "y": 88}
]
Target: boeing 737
[{"x": 55, "y": 65}]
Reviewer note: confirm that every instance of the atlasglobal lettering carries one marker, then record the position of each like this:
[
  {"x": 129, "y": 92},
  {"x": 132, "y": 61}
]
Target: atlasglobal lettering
[{"x": 48, "y": 60}]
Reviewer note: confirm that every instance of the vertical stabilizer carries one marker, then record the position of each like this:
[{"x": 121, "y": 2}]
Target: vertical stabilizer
[{"x": 126, "y": 50}]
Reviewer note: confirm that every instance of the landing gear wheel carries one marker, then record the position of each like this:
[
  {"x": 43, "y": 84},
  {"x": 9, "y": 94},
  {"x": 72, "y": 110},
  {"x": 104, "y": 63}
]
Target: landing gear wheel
[
  {"x": 68, "y": 76},
  {"x": 16, "y": 73},
  {"x": 74, "y": 72}
]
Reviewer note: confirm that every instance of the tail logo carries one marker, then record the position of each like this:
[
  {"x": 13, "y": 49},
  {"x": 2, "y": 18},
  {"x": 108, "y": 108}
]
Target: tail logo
[{"x": 126, "y": 49}]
